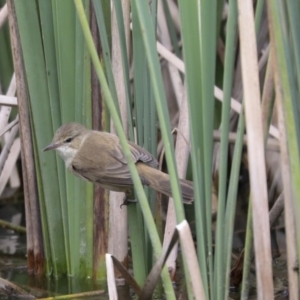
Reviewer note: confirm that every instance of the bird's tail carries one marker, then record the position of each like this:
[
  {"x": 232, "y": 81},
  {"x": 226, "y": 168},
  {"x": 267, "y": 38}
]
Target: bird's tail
[{"x": 160, "y": 182}]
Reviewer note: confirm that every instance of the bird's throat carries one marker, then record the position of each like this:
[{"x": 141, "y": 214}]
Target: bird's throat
[{"x": 67, "y": 153}]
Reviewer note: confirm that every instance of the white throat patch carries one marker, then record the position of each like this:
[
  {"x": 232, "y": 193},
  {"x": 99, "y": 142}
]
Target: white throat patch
[{"x": 66, "y": 153}]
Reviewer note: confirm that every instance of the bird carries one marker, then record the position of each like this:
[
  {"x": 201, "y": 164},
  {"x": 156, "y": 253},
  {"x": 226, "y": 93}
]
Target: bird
[{"x": 97, "y": 156}]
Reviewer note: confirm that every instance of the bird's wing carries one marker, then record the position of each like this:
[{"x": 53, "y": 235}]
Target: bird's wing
[
  {"x": 116, "y": 173},
  {"x": 111, "y": 166},
  {"x": 140, "y": 154}
]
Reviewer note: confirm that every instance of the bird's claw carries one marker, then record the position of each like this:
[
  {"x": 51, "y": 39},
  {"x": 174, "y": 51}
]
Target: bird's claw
[{"x": 128, "y": 201}]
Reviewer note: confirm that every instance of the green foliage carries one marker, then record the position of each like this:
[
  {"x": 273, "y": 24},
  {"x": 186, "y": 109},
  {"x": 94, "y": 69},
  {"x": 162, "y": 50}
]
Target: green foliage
[
  {"x": 57, "y": 48},
  {"x": 6, "y": 63},
  {"x": 58, "y": 71}
]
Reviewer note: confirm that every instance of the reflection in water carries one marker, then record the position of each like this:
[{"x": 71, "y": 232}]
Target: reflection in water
[
  {"x": 9, "y": 240},
  {"x": 8, "y": 244}
]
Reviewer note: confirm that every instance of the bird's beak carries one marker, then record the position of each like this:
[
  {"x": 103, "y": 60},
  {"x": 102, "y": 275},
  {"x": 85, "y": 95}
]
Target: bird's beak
[{"x": 51, "y": 147}]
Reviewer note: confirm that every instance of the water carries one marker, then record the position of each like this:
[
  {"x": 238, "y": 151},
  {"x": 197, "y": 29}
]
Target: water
[{"x": 13, "y": 268}]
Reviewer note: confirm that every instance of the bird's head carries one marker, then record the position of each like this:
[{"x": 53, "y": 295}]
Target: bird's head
[{"x": 67, "y": 140}]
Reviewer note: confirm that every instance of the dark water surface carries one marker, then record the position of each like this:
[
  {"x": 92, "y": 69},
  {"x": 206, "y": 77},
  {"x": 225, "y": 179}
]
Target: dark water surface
[{"x": 13, "y": 268}]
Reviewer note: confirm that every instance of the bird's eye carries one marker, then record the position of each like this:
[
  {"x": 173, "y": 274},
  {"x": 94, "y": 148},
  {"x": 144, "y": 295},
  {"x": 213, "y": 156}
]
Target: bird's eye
[{"x": 68, "y": 140}]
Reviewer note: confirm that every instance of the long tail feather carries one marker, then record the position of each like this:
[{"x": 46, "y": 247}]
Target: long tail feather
[{"x": 161, "y": 182}]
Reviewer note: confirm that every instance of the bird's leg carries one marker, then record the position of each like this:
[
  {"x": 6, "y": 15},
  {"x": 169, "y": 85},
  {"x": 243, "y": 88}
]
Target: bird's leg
[{"x": 128, "y": 198}]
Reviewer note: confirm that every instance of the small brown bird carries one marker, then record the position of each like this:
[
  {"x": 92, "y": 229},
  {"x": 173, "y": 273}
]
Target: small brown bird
[{"x": 98, "y": 157}]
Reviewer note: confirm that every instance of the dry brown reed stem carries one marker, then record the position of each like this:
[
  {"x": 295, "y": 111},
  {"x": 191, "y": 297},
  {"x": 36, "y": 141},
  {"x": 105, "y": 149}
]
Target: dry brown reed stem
[
  {"x": 6, "y": 149},
  {"x": 3, "y": 15},
  {"x": 35, "y": 251},
  {"x": 164, "y": 36},
  {"x": 9, "y": 126},
  {"x": 189, "y": 253},
  {"x": 182, "y": 151},
  {"x": 268, "y": 95},
  {"x": 117, "y": 239},
  {"x": 6, "y": 110},
  {"x": 277, "y": 209},
  {"x": 218, "y": 93},
  {"x": 256, "y": 153},
  {"x": 8, "y": 101},
  {"x": 182, "y": 148},
  {"x": 13, "y": 289},
  {"x": 272, "y": 144},
  {"x": 111, "y": 280},
  {"x": 100, "y": 201}
]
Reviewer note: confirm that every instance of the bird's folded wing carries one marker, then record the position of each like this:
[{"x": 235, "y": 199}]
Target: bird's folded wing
[
  {"x": 110, "y": 166},
  {"x": 113, "y": 176},
  {"x": 140, "y": 154},
  {"x": 120, "y": 177}
]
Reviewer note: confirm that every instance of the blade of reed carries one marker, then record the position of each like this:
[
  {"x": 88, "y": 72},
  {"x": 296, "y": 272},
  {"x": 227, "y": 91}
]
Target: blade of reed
[
  {"x": 52, "y": 55},
  {"x": 106, "y": 50},
  {"x": 36, "y": 251},
  {"x": 248, "y": 254},
  {"x": 292, "y": 54},
  {"x": 140, "y": 250},
  {"x": 46, "y": 15},
  {"x": 100, "y": 121},
  {"x": 172, "y": 29},
  {"x": 83, "y": 208},
  {"x": 162, "y": 111},
  {"x": 117, "y": 234},
  {"x": 189, "y": 254},
  {"x": 42, "y": 124},
  {"x": 125, "y": 63},
  {"x": 232, "y": 197},
  {"x": 111, "y": 281},
  {"x": 259, "y": 9},
  {"x": 191, "y": 54},
  {"x": 291, "y": 228},
  {"x": 289, "y": 212},
  {"x": 255, "y": 150},
  {"x": 220, "y": 268},
  {"x": 268, "y": 97},
  {"x": 139, "y": 75},
  {"x": 161, "y": 103},
  {"x": 285, "y": 63},
  {"x": 137, "y": 244},
  {"x": 293, "y": 10},
  {"x": 207, "y": 23},
  {"x": 138, "y": 187},
  {"x": 118, "y": 240},
  {"x": 145, "y": 116},
  {"x": 6, "y": 63},
  {"x": 65, "y": 36},
  {"x": 150, "y": 141}
]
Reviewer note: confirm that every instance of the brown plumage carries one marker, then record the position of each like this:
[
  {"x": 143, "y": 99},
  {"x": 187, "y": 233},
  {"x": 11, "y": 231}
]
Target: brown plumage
[{"x": 98, "y": 157}]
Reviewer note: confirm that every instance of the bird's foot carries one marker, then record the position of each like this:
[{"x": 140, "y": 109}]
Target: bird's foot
[
  {"x": 128, "y": 198},
  {"x": 128, "y": 201}
]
